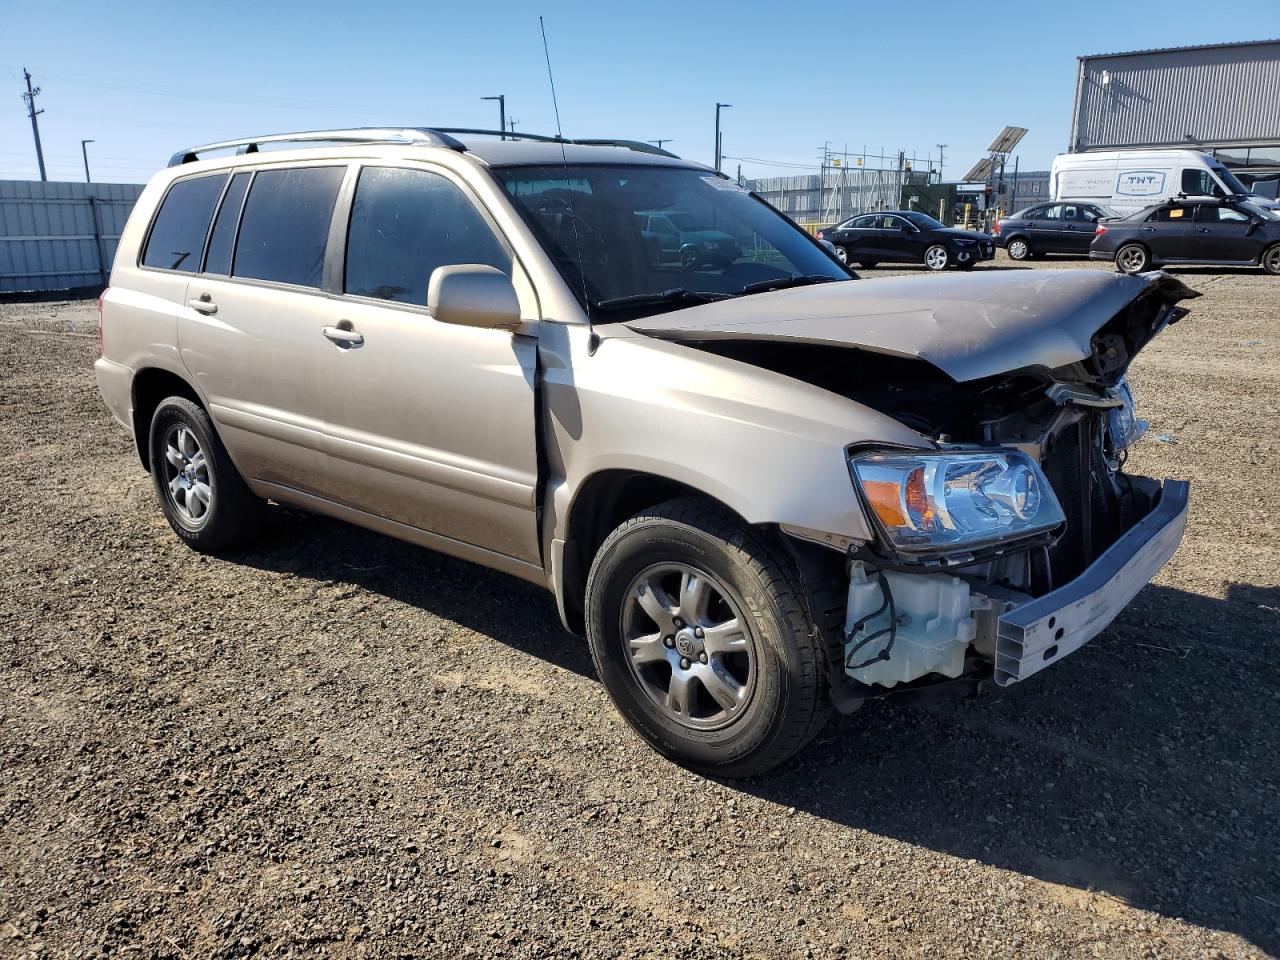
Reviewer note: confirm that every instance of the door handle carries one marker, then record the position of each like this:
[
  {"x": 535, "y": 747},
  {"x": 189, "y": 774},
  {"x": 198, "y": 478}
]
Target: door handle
[
  {"x": 1202, "y": 229},
  {"x": 203, "y": 304},
  {"x": 343, "y": 336}
]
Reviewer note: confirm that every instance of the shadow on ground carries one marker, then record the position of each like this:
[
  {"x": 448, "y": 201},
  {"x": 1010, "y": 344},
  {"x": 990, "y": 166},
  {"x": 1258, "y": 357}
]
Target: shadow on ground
[{"x": 1144, "y": 767}]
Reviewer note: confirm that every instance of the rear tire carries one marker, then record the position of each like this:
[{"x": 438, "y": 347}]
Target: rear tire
[
  {"x": 1133, "y": 258},
  {"x": 1018, "y": 249},
  {"x": 687, "y": 573},
  {"x": 1271, "y": 260},
  {"x": 202, "y": 495},
  {"x": 842, "y": 254}
]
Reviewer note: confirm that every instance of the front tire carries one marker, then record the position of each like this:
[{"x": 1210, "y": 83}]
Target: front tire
[
  {"x": 699, "y": 630},
  {"x": 202, "y": 495},
  {"x": 1018, "y": 249},
  {"x": 937, "y": 257},
  {"x": 1133, "y": 258}
]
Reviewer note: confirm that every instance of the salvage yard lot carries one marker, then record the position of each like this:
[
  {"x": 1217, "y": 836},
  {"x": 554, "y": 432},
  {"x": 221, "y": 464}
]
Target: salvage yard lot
[{"x": 342, "y": 745}]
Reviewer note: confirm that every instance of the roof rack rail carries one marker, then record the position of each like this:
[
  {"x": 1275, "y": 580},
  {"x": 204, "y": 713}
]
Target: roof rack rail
[
  {"x": 418, "y": 135},
  {"x": 637, "y": 145},
  {"x": 431, "y": 136}
]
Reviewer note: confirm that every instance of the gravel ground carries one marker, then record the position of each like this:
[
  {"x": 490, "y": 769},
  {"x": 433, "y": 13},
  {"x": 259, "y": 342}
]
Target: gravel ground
[{"x": 339, "y": 745}]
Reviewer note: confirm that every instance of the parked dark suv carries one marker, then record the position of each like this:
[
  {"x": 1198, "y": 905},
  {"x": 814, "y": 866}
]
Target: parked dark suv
[
  {"x": 1228, "y": 232},
  {"x": 907, "y": 236},
  {"x": 1050, "y": 228}
]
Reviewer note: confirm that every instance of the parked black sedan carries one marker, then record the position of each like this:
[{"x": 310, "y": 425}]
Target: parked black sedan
[
  {"x": 906, "y": 236},
  {"x": 1050, "y": 228},
  {"x": 1225, "y": 232}
]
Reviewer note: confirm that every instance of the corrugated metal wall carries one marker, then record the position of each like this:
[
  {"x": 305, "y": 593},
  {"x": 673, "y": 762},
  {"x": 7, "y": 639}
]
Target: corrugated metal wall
[
  {"x": 55, "y": 236},
  {"x": 1223, "y": 94}
]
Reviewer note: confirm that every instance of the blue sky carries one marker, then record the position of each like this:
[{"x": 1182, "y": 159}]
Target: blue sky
[{"x": 143, "y": 80}]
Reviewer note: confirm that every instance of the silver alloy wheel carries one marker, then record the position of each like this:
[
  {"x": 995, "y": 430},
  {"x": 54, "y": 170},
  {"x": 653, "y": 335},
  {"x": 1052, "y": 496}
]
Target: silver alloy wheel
[
  {"x": 1018, "y": 249},
  {"x": 935, "y": 258},
  {"x": 187, "y": 475},
  {"x": 842, "y": 255},
  {"x": 1271, "y": 261},
  {"x": 688, "y": 645},
  {"x": 1131, "y": 259}
]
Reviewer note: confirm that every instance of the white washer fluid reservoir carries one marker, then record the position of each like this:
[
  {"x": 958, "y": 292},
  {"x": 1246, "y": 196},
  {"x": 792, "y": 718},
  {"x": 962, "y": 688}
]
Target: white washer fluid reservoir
[{"x": 934, "y": 626}]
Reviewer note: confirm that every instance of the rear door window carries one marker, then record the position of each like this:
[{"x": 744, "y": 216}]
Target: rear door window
[
  {"x": 406, "y": 223},
  {"x": 285, "y": 225},
  {"x": 177, "y": 235},
  {"x": 1178, "y": 213}
]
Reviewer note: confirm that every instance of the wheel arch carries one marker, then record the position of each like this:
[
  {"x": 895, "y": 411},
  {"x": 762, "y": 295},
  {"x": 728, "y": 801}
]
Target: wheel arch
[
  {"x": 151, "y": 385},
  {"x": 603, "y": 501}
]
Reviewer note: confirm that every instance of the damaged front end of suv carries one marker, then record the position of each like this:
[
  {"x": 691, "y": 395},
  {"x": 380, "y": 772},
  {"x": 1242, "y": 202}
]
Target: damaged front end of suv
[{"x": 1012, "y": 535}]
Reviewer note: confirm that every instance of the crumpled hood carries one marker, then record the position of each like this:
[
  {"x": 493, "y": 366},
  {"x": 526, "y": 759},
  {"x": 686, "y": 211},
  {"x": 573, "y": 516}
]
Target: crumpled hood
[{"x": 967, "y": 325}]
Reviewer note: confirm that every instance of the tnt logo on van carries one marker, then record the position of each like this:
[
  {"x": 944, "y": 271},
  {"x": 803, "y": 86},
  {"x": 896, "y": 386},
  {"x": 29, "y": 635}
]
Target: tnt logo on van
[{"x": 1140, "y": 183}]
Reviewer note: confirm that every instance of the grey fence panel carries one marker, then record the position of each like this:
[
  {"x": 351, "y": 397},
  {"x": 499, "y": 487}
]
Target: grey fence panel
[{"x": 59, "y": 235}]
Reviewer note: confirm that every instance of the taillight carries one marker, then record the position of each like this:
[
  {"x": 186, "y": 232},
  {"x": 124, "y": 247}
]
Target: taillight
[
  {"x": 995, "y": 229},
  {"x": 822, "y": 235},
  {"x": 102, "y": 347},
  {"x": 1099, "y": 230}
]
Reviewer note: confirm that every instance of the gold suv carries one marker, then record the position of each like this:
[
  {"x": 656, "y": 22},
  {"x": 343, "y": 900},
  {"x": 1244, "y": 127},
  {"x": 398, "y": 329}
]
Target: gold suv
[{"x": 762, "y": 487}]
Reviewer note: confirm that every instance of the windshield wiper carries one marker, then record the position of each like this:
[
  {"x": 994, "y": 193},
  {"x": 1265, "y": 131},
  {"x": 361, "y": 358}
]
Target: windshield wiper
[
  {"x": 674, "y": 295},
  {"x": 781, "y": 283}
]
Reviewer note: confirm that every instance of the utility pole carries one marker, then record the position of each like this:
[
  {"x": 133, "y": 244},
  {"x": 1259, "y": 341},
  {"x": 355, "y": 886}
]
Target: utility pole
[
  {"x": 84, "y": 152},
  {"x": 502, "y": 112},
  {"x": 941, "y": 147},
  {"x": 719, "y": 107},
  {"x": 30, "y": 98}
]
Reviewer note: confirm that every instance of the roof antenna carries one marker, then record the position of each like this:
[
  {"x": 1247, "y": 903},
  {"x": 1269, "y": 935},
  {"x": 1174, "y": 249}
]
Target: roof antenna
[{"x": 573, "y": 217}]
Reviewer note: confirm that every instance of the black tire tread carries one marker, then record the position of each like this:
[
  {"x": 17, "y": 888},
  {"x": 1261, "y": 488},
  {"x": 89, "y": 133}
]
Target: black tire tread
[
  {"x": 778, "y": 573},
  {"x": 240, "y": 514}
]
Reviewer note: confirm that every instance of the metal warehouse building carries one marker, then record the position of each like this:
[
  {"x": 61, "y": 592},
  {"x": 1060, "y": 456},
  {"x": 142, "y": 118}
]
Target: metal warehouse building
[{"x": 1221, "y": 98}]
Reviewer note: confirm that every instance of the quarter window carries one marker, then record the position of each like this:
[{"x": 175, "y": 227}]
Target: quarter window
[
  {"x": 405, "y": 224},
  {"x": 177, "y": 236},
  {"x": 286, "y": 224}
]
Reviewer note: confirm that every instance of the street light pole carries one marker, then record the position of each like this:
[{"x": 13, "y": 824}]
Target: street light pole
[
  {"x": 941, "y": 147},
  {"x": 84, "y": 152},
  {"x": 502, "y": 112},
  {"x": 719, "y": 107}
]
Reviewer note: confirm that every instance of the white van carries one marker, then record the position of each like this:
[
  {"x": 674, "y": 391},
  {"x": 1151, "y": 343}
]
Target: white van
[{"x": 1128, "y": 180}]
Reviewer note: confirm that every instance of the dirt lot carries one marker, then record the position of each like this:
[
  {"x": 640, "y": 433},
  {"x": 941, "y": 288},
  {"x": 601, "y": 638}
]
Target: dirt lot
[{"x": 339, "y": 745}]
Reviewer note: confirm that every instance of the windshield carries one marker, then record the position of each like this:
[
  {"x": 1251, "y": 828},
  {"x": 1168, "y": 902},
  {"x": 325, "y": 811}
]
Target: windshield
[
  {"x": 1229, "y": 178},
  {"x": 923, "y": 221},
  {"x": 661, "y": 238}
]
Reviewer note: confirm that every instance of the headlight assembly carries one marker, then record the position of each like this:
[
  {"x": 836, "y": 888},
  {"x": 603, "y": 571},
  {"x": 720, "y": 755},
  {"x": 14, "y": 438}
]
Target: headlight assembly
[{"x": 943, "y": 502}]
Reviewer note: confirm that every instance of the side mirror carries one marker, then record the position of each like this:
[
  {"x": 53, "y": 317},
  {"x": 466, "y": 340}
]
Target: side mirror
[{"x": 473, "y": 295}]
